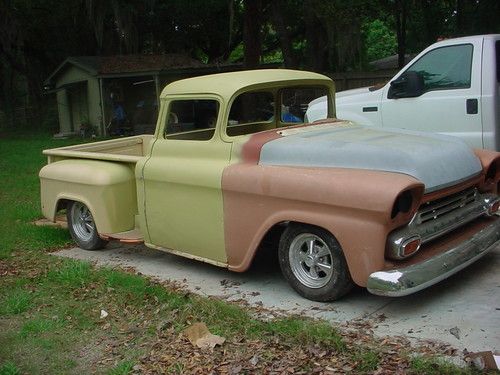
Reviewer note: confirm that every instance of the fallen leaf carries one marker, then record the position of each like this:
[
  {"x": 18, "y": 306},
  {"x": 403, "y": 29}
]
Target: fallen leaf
[
  {"x": 455, "y": 331},
  {"x": 199, "y": 335}
]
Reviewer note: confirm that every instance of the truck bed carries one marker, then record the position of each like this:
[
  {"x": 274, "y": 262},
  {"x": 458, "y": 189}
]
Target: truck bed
[{"x": 129, "y": 150}]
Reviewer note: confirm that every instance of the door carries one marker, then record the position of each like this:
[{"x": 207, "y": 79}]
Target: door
[
  {"x": 182, "y": 180},
  {"x": 450, "y": 100}
]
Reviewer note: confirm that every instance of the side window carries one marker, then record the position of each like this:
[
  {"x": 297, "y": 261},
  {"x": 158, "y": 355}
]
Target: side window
[
  {"x": 445, "y": 67},
  {"x": 250, "y": 112},
  {"x": 191, "y": 119},
  {"x": 295, "y": 102}
]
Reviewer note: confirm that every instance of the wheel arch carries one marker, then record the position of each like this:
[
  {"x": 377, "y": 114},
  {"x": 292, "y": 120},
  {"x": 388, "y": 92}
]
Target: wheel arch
[{"x": 362, "y": 259}]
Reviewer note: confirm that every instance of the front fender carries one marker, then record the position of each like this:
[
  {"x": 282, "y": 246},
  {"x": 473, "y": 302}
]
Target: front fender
[
  {"x": 107, "y": 188},
  {"x": 354, "y": 205}
]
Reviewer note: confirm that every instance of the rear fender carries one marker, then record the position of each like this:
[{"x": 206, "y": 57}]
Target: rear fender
[{"x": 107, "y": 189}]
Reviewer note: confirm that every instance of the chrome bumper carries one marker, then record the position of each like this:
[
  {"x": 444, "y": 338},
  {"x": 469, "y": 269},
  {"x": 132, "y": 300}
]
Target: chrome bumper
[{"x": 411, "y": 279}]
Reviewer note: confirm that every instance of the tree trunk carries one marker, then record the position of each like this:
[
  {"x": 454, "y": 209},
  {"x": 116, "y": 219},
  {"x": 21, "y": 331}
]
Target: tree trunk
[
  {"x": 460, "y": 25},
  {"x": 316, "y": 41},
  {"x": 400, "y": 16},
  {"x": 251, "y": 33},
  {"x": 283, "y": 34},
  {"x": 230, "y": 35}
]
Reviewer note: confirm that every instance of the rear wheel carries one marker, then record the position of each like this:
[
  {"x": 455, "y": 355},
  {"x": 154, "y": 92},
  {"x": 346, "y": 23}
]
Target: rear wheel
[
  {"x": 82, "y": 227},
  {"x": 313, "y": 263}
]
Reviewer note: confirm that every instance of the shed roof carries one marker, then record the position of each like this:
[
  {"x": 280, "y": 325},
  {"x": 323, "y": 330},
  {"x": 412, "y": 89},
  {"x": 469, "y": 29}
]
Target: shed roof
[
  {"x": 126, "y": 64},
  {"x": 226, "y": 84}
]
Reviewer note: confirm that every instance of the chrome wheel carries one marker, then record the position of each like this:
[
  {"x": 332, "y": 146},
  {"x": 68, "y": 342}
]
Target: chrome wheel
[
  {"x": 82, "y": 227},
  {"x": 82, "y": 222},
  {"x": 311, "y": 260}
]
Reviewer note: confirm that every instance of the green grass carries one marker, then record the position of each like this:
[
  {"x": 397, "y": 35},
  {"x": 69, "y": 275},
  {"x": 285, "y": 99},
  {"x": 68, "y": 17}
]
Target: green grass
[
  {"x": 437, "y": 366},
  {"x": 37, "y": 326},
  {"x": 50, "y": 307},
  {"x": 366, "y": 361},
  {"x": 20, "y": 162},
  {"x": 122, "y": 368},
  {"x": 307, "y": 331},
  {"x": 72, "y": 273},
  {"x": 15, "y": 301},
  {"x": 9, "y": 368}
]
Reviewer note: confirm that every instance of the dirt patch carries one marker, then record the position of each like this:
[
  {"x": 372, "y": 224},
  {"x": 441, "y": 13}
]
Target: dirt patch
[
  {"x": 89, "y": 356},
  {"x": 60, "y": 222},
  {"x": 7, "y": 269}
]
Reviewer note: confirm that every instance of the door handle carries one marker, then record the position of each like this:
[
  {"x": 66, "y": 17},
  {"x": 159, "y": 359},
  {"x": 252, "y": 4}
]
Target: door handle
[{"x": 471, "y": 106}]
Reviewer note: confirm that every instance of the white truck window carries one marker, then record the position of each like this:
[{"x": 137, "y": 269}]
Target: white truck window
[{"x": 445, "y": 67}]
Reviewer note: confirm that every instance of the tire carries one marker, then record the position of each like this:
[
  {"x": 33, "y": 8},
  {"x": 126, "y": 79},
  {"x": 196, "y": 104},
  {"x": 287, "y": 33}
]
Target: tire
[
  {"x": 82, "y": 227},
  {"x": 313, "y": 263}
]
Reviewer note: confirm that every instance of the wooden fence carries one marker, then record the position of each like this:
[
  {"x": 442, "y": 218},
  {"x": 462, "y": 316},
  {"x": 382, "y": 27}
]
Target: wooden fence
[
  {"x": 19, "y": 116},
  {"x": 353, "y": 80}
]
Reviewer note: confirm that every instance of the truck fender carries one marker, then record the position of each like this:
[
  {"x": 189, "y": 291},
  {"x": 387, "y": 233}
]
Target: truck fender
[{"x": 108, "y": 189}]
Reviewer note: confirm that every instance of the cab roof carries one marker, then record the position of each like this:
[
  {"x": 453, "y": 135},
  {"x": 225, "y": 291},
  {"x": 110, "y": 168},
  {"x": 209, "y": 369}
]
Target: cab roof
[{"x": 226, "y": 84}]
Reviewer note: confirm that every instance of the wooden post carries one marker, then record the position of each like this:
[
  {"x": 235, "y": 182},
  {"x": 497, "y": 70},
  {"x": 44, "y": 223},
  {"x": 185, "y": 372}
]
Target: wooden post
[{"x": 103, "y": 110}]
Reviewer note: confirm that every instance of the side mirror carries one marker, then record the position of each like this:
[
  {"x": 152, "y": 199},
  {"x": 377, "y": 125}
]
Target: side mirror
[{"x": 407, "y": 85}]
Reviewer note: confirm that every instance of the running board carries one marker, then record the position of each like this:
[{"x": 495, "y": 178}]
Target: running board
[{"x": 130, "y": 236}]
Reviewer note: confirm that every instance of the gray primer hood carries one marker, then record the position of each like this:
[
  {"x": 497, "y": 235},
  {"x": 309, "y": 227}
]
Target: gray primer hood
[{"x": 436, "y": 160}]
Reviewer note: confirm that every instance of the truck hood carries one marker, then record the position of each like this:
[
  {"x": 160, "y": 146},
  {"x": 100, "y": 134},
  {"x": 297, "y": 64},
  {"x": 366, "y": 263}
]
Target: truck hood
[
  {"x": 437, "y": 161},
  {"x": 342, "y": 94}
]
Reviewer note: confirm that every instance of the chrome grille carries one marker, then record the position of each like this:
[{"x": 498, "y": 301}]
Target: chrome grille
[{"x": 435, "y": 209}]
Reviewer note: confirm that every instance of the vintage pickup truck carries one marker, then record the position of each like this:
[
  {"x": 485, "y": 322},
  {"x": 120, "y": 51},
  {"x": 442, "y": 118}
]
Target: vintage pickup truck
[{"x": 232, "y": 164}]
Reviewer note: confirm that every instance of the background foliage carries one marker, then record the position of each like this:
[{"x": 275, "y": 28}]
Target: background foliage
[{"x": 319, "y": 35}]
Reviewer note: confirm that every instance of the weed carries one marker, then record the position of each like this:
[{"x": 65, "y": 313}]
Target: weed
[
  {"x": 223, "y": 318},
  {"x": 72, "y": 273},
  {"x": 16, "y": 301},
  {"x": 122, "y": 368},
  {"x": 435, "y": 366},
  {"x": 176, "y": 368},
  {"x": 367, "y": 361},
  {"x": 36, "y": 326},
  {"x": 307, "y": 331},
  {"x": 132, "y": 285},
  {"x": 9, "y": 368}
]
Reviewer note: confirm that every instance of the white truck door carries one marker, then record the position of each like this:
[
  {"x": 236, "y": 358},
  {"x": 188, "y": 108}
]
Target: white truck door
[{"x": 449, "y": 101}]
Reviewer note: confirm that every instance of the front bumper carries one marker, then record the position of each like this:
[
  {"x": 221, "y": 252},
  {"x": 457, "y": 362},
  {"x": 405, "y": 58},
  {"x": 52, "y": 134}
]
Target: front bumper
[{"x": 411, "y": 279}]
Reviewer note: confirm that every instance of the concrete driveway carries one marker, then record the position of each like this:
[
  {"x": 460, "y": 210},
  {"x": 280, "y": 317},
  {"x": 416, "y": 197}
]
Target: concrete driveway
[{"x": 463, "y": 311}]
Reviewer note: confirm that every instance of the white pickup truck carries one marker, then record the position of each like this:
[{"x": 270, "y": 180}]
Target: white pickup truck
[{"x": 452, "y": 87}]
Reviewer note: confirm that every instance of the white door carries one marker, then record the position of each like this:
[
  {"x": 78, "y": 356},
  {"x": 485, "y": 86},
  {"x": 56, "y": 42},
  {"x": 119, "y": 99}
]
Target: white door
[{"x": 450, "y": 100}]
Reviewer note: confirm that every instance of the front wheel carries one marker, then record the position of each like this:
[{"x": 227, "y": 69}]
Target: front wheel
[
  {"x": 313, "y": 263},
  {"x": 82, "y": 227}
]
